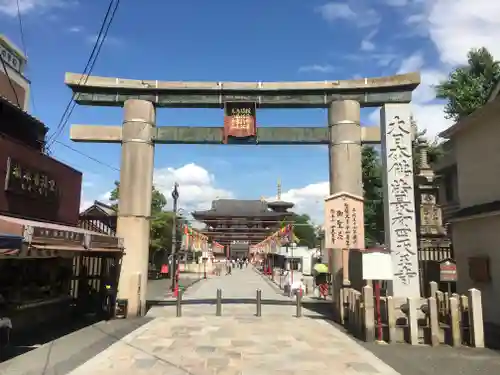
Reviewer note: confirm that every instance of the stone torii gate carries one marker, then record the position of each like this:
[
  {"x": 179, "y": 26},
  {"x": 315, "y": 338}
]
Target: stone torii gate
[{"x": 344, "y": 136}]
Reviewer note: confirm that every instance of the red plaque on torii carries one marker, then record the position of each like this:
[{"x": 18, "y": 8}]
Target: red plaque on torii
[{"x": 239, "y": 120}]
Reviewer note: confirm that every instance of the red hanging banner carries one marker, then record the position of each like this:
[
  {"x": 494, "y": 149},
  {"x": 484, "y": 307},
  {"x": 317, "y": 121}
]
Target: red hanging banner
[{"x": 239, "y": 120}]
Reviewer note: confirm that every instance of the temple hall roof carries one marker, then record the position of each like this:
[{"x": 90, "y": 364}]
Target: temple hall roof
[{"x": 238, "y": 208}]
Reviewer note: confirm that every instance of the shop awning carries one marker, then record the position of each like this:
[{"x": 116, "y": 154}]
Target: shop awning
[
  {"x": 36, "y": 238},
  {"x": 10, "y": 244}
]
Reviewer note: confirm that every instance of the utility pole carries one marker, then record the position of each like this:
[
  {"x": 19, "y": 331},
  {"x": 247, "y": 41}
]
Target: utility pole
[{"x": 175, "y": 197}]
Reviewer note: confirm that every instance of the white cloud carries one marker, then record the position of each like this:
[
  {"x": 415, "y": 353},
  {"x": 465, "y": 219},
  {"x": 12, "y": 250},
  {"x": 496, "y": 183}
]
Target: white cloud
[
  {"x": 411, "y": 64},
  {"x": 431, "y": 118},
  {"x": 427, "y": 112},
  {"x": 456, "y": 26},
  {"x": 75, "y": 29},
  {"x": 197, "y": 187},
  {"x": 317, "y": 68},
  {"x": 308, "y": 200},
  {"x": 367, "y": 45},
  {"x": 425, "y": 92},
  {"x": 349, "y": 11},
  {"x": 380, "y": 59},
  {"x": 110, "y": 40},
  {"x": 9, "y": 7},
  {"x": 396, "y": 3}
]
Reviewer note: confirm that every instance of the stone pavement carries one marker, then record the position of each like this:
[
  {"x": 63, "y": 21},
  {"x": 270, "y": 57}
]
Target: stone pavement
[{"x": 238, "y": 342}]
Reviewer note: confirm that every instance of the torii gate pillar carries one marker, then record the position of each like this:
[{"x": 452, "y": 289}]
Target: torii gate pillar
[
  {"x": 134, "y": 208},
  {"x": 344, "y": 225}
]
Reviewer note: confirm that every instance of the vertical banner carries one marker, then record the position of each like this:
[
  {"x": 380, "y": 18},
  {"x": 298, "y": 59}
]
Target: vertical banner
[{"x": 239, "y": 120}]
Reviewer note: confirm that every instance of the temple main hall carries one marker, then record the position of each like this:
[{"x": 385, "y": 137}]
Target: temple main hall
[{"x": 237, "y": 224}]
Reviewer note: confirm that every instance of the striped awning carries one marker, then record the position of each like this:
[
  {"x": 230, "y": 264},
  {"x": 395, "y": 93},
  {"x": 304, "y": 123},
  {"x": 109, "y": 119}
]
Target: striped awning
[{"x": 10, "y": 244}]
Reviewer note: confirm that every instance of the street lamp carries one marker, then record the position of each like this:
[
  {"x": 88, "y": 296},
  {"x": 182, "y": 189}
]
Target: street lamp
[{"x": 175, "y": 197}]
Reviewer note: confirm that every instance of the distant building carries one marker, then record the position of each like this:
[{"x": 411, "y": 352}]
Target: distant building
[
  {"x": 14, "y": 86},
  {"x": 99, "y": 217},
  {"x": 237, "y": 224}
]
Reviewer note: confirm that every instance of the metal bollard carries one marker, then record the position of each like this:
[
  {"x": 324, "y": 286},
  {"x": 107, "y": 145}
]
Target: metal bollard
[
  {"x": 299, "y": 303},
  {"x": 258, "y": 301},
  {"x": 218, "y": 303},
  {"x": 179, "y": 305}
]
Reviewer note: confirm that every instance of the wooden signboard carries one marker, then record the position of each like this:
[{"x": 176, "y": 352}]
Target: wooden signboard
[
  {"x": 239, "y": 120},
  {"x": 28, "y": 181},
  {"x": 98, "y": 241},
  {"x": 37, "y": 187},
  {"x": 57, "y": 237},
  {"x": 344, "y": 225}
]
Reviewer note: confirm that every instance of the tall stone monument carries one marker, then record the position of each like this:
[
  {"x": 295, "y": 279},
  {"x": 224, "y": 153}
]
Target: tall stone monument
[{"x": 399, "y": 199}]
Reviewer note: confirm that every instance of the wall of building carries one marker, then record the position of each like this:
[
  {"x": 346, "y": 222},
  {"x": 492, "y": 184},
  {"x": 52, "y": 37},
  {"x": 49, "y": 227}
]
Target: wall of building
[
  {"x": 478, "y": 161},
  {"x": 15, "y": 63},
  {"x": 479, "y": 237},
  {"x": 7, "y": 92}
]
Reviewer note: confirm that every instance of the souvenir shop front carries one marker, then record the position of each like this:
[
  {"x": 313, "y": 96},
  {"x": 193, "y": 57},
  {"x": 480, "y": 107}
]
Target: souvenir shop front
[{"x": 49, "y": 271}]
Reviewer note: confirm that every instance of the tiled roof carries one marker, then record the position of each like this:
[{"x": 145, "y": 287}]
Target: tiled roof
[
  {"x": 237, "y": 207},
  {"x": 14, "y": 106},
  {"x": 100, "y": 207}
]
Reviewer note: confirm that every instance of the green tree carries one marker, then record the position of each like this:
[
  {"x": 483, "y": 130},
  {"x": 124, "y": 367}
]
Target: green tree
[
  {"x": 373, "y": 195},
  {"x": 303, "y": 229},
  {"x": 469, "y": 87}
]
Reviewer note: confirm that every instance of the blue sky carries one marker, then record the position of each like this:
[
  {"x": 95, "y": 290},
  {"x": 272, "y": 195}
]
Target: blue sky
[{"x": 255, "y": 40}]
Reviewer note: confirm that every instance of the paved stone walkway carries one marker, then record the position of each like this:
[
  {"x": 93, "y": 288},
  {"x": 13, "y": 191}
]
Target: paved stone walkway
[{"x": 238, "y": 342}]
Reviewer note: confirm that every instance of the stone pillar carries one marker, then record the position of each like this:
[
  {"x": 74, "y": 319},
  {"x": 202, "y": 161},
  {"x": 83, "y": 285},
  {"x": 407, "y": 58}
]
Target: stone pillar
[
  {"x": 344, "y": 208},
  {"x": 399, "y": 199},
  {"x": 134, "y": 210},
  {"x": 345, "y": 148}
]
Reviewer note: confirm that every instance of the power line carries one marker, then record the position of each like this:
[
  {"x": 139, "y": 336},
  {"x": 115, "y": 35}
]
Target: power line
[
  {"x": 21, "y": 28},
  {"x": 86, "y": 71},
  {"x": 24, "y": 48},
  {"x": 87, "y": 156},
  {"x": 101, "y": 37}
]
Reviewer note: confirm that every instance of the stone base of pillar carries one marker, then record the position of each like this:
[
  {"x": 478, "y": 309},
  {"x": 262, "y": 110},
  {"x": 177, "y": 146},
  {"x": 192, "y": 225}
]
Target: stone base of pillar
[{"x": 134, "y": 267}]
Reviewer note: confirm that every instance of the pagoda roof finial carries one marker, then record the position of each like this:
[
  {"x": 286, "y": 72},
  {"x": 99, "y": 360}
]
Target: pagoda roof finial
[{"x": 279, "y": 189}]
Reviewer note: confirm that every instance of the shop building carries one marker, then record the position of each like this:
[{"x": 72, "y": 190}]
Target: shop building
[{"x": 49, "y": 265}]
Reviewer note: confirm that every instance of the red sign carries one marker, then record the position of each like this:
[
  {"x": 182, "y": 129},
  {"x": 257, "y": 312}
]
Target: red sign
[
  {"x": 448, "y": 271},
  {"x": 239, "y": 120}
]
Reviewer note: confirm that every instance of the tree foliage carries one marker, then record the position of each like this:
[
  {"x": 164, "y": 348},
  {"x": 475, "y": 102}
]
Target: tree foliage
[
  {"x": 469, "y": 87},
  {"x": 304, "y": 230},
  {"x": 373, "y": 195},
  {"x": 158, "y": 201}
]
